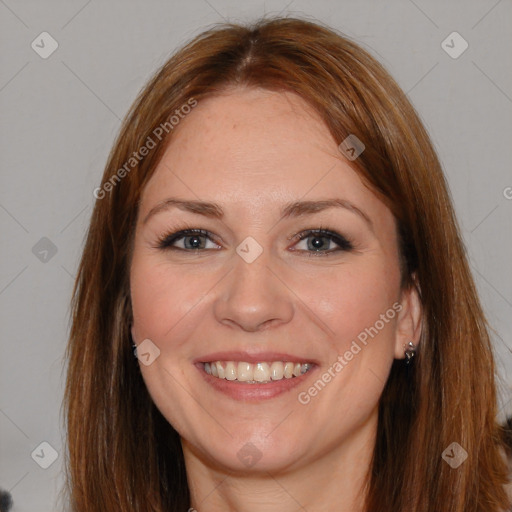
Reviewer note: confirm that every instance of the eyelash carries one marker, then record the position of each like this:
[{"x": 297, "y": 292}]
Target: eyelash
[{"x": 345, "y": 245}]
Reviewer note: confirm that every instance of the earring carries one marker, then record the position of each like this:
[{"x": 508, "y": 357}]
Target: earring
[
  {"x": 134, "y": 349},
  {"x": 410, "y": 352}
]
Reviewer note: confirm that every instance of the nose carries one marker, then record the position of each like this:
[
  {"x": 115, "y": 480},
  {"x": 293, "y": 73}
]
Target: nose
[{"x": 252, "y": 297}]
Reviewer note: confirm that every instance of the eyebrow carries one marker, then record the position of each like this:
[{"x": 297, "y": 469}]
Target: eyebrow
[{"x": 294, "y": 209}]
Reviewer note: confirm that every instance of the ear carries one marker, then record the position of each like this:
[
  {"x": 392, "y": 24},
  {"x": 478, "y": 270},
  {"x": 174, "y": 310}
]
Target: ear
[
  {"x": 133, "y": 334},
  {"x": 410, "y": 319}
]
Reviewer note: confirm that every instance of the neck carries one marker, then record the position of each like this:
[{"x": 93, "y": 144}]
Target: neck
[{"x": 334, "y": 480}]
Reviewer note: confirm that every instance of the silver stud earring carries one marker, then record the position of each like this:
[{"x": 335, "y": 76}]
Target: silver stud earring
[{"x": 410, "y": 352}]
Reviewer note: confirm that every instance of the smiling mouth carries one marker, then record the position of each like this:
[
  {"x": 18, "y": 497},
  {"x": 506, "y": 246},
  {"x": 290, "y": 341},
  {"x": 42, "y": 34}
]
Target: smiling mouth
[{"x": 256, "y": 373}]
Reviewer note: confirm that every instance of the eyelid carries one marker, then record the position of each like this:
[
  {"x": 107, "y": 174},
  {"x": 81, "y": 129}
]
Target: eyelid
[
  {"x": 165, "y": 241},
  {"x": 344, "y": 244}
]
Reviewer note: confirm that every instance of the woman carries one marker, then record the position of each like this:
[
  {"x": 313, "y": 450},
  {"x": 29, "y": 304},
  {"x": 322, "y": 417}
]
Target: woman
[{"x": 274, "y": 236}]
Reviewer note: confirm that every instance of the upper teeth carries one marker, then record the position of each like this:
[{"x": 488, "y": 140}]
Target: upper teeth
[{"x": 258, "y": 372}]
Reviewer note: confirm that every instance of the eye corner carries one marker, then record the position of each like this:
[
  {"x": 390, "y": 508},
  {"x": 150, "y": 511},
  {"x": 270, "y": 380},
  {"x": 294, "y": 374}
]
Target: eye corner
[{"x": 344, "y": 244}]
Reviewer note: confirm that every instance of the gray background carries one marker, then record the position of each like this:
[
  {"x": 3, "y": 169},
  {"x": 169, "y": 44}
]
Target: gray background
[{"x": 60, "y": 116}]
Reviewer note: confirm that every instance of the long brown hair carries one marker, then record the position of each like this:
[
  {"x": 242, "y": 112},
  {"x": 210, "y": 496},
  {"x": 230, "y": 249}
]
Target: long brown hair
[{"x": 123, "y": 455}]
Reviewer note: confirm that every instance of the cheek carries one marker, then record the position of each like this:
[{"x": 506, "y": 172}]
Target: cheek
[
  {"x": 343, "y": 301},
  {"x": 359, "y": 305},
  {"x": 351, "y": 301},
  {"x": 161, "y": 297},
  {"x": 163, "y": 303}
]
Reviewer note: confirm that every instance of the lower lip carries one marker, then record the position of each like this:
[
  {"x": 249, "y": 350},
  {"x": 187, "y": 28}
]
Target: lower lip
[{"x": 253, "y": 392}]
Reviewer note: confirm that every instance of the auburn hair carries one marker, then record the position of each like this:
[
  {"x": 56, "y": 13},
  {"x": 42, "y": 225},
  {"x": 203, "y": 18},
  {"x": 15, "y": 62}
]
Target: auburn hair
[{"x": 122, "y": 453}]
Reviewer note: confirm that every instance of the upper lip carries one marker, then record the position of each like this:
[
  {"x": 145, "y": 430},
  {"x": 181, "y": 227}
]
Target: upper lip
[{"x": 253, "y": 357}]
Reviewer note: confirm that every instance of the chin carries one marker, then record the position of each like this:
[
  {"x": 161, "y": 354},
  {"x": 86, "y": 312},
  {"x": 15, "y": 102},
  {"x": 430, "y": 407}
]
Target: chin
[{"x": 252, "y": 453}]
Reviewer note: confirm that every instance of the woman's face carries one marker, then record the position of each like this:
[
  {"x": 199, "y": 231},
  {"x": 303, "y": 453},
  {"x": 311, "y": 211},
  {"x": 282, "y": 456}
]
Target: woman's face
[{"x": 247, "y": 300}]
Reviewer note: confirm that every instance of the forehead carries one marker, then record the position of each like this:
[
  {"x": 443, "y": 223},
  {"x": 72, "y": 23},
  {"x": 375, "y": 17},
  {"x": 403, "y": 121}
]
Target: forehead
[{"x": 255, "y": 150}]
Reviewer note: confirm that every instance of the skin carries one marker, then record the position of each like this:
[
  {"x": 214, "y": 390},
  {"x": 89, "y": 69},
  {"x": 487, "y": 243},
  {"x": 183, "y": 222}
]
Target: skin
[{"x": 253, "y": 151}]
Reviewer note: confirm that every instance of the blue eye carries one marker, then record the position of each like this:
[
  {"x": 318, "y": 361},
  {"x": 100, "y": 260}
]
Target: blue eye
[
  {"x": 318, "y": 241},
  {"x": 192, "y": 240},
  {"x": 315, "y": 240}
]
